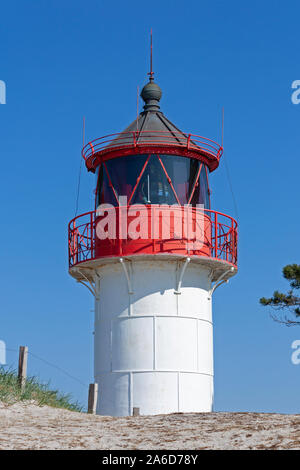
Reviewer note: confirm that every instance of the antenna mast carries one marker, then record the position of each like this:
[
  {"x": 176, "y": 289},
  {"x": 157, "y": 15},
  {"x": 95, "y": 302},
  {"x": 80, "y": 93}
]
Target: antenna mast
[
  {"x": 137, "y": 108},
  {"x": 151, "y": 73},
  {"x": 83, "y": 131},
  {"x": 222, "y": 126}
]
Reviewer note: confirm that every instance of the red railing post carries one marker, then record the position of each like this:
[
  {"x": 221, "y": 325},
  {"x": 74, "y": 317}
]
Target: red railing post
[
  {"x": 227, "y": 244},
  {"x": 235, "y": 245},
  {"x": 232, "y": 242},
  {"x": 216, "y": 235},
  {"x": 188, "y": 141},
  {"x": 78, "y": 245},
  {"x": 152, "y": 219},
  {"x": 120, "y": 241},
  {"x": 74, "y": 243},
  {"x": 69, "y": 245},
  {"x": 92, "y": 234}
]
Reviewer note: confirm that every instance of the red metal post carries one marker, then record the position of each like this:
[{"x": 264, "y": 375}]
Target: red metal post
[
  {"x": 74, "y": 242},
  {"x": 92, "y": 235},
  {"x": 216, "y": 235},
  {"x": 232, "y": 241},
  {"x": 188, "y": 141}
]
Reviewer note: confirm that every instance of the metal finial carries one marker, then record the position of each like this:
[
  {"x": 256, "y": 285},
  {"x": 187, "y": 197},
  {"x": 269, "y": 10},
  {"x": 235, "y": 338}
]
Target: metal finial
[
  {"x": 151, "y": 73},
  {"x": 151, "y": 93}
]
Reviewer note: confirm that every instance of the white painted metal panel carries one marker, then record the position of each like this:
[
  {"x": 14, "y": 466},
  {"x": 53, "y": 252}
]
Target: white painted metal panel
[
  {"x": 195, "y": 393},
  {"x": 114, "y": 291},
  {"x": 205, "y": 347},
  {"x": 197, "y": 276},
  {"x": 155, "y": 392},
  {"x": 153, "y": 286},
  {"x": 114, "y": 394},
  {"x": 132, "y": 343},
  {"x": 102, "y": 347},
  {"x": 176, "y": 343},
  {"x": 193, "y": 300}
]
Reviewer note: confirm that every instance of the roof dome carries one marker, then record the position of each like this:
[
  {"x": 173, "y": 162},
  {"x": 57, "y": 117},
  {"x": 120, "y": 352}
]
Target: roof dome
[{"x": 151, "y": 94}]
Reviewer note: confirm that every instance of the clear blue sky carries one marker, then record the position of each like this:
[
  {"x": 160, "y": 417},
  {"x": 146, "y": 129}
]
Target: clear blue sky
[{"x": 65, "y": 60}]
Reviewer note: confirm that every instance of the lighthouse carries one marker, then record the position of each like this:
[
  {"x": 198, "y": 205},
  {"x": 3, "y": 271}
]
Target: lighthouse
[{"x": 152, "y": 252}]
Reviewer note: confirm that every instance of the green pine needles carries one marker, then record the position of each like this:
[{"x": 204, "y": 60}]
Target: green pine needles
[{"x": 287, "y": 306}]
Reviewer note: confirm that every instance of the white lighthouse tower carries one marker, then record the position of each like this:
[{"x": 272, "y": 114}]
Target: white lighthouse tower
[{"x": 153, "y": 293}]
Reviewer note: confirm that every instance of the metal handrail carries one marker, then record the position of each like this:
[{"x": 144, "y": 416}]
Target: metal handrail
[
  {"x": 152, "y": 138},
  {"x": 221, "y": 235}
]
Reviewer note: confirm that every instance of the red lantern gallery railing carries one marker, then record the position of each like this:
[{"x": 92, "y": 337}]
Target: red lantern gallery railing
[
  {"x": 186, "y": 143},
  {"x": 218, "y": 236}
]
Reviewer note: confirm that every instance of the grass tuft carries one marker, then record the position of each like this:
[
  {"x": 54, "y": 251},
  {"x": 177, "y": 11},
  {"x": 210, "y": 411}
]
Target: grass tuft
[{"x": 41, "y": 394}]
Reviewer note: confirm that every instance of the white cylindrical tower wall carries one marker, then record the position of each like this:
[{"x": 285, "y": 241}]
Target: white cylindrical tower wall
[{"x": 153, "y": 346}]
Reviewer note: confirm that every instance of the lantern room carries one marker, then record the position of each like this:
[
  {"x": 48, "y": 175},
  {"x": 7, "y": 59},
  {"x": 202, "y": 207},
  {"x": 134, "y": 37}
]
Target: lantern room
[
  {"x": 153, "y": 179},
  {"x": 153, "y": 163}
]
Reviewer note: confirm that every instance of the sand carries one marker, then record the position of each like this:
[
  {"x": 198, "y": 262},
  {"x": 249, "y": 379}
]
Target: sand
[{"x": 28, "y": 426}]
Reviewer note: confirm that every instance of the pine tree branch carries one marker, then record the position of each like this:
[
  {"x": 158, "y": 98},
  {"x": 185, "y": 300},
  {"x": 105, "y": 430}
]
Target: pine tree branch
[{"x": 285, "y": 320}]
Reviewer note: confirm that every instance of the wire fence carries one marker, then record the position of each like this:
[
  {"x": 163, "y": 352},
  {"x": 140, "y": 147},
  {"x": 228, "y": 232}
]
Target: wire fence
[
  {"x": 66, "y": 373},
  {"x": 22, "y": 375}
]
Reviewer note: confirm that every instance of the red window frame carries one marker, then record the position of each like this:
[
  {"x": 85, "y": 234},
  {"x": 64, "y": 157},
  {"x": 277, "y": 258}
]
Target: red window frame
[{"x": 197, "y": 180}]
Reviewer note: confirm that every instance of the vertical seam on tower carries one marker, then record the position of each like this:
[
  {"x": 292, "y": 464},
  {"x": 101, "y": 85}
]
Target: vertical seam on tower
[
  {"x": 176, "y": 281},
  {"x": 154, "y": 342},
  {"x": 178, "y": 398},
  {"x": 197, "y": 345},
  {"x": 130, "y": 394},
  {"x": 111, "y": 368},
  {"x": 130, "y": 273},
  {"x": 129, "y": 306}
]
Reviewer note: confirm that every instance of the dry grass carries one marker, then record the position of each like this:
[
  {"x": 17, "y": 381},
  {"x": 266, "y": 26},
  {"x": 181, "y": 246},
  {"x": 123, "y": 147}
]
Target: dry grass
[{"x": 41, "y": 394}]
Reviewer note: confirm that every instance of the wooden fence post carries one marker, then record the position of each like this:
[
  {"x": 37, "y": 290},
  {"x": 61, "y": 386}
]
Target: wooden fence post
[
  {"x": 22, "y": 371},
  {"x": 93, "y": 396}
]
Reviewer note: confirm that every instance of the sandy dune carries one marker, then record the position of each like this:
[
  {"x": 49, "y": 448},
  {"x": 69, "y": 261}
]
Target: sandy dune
[{"x": 27, "y": 426}]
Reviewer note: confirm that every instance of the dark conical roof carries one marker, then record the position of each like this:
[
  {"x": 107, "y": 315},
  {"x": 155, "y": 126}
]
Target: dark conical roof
[
  {"x": 152, "y": 118},
  {"x": 152, "y": 131}
]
